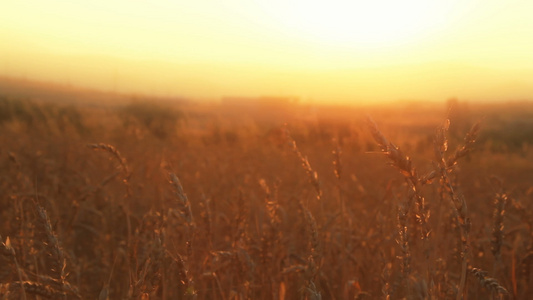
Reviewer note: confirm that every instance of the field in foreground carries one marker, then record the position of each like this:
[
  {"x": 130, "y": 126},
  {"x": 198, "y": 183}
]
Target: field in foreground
[{"x": 159, "y": 200}]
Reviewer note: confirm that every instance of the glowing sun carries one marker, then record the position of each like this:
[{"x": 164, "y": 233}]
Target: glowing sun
[{"x": 360, "y": 24}]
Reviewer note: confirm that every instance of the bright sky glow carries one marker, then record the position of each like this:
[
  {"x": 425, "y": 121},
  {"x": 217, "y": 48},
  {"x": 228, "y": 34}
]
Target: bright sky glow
[
  {"x": 362, "y": 24},
  {"x": 210, "y": 48}
]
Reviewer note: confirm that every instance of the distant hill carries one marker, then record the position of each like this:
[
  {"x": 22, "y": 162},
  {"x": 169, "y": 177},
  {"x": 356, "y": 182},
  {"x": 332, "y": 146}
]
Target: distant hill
[
  {"x": 66, "y": 93},
  {"x": 430, "y": 81}
]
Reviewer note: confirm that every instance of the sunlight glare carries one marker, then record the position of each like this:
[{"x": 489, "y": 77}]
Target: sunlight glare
[{"x": 360, "y": 24}]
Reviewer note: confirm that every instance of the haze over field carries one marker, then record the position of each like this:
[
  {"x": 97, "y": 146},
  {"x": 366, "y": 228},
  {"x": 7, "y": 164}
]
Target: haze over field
[{"x": 320, "y": 50}]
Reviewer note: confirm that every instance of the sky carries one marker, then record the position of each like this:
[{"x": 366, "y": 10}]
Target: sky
[{"x": 333, "y": 50}]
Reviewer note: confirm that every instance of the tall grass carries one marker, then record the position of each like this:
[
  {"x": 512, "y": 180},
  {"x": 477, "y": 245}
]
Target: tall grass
[{"x": 268, "y": 214}]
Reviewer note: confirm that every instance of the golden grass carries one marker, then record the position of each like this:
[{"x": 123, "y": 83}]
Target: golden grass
[{"x": 225, "y": 204}]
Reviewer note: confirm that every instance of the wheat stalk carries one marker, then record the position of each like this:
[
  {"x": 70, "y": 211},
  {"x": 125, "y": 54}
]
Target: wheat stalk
[
  {"x": 403, "y": 242},
  {"x": 404, "y": 164},
  {"x": 52, "y": 246},
  {"x": 185, "y": 211},
  {"x": 459, "y": 205},
  {"x": 488, "y": 282},
  {"x": 113, "y": 151},
  {"x": 500, "y": 202},
  {"x": 312, "y": 175}
]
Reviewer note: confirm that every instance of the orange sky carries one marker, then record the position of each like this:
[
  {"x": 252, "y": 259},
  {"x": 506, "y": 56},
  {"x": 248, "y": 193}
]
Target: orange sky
[{"x": 319, "y": 50}]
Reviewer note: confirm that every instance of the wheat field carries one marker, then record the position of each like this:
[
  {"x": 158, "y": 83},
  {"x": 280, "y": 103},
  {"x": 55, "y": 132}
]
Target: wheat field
[{"x": 151, "y": 199}]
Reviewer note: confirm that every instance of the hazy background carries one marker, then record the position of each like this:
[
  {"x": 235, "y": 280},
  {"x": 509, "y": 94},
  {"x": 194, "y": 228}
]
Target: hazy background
[{"x": 349, "y": 51}]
